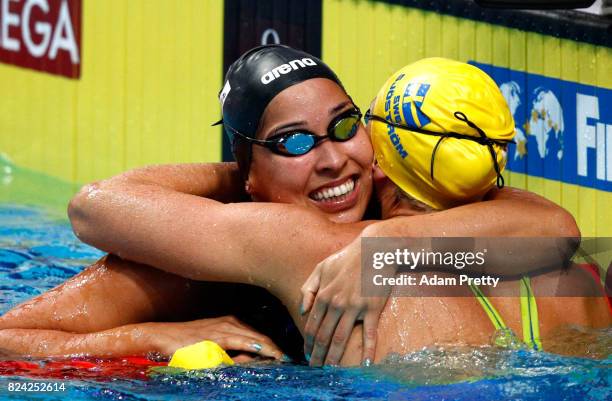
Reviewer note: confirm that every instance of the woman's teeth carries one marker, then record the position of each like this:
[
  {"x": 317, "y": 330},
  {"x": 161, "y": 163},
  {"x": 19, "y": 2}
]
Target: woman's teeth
[{"x": 335, "y": 192}]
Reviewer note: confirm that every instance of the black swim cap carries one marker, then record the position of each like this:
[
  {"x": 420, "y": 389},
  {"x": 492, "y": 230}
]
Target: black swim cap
[{"x": 254, "y": 80}]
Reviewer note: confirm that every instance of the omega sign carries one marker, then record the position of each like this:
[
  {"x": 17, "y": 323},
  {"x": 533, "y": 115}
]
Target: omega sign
[{"x": 43, "y": 35}]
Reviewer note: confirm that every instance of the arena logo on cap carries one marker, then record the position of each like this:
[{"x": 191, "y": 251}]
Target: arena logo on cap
[
  {"x": 226, "y": 90},
  {"x": 286, "y": 69}
]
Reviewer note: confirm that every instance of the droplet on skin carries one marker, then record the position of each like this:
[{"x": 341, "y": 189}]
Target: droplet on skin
[
  {"x": 403, "y": 332},
  {"x": 92, "y": 191}
]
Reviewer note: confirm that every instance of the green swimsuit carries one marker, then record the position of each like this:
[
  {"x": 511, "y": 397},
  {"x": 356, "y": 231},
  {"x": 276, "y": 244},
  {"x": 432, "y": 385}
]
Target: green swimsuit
[{"x": 529, "y": 314}]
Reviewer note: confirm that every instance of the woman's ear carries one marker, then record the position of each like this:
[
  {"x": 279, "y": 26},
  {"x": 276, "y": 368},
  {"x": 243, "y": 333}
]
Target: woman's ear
[
  {"x": 250, "y": 188},
  {"x": 386, "y": 192},
  {"x": 378, "y": 175}
]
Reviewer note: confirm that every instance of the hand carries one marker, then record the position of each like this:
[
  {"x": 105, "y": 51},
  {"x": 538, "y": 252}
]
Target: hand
[
  {"x": 230, "y": 333},
  {"x": 332, "y": 295}
]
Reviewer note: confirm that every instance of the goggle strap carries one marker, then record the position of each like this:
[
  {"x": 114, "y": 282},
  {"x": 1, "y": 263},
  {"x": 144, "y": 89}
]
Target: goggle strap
[
  {"x": 245, "y": 137},
  {"x": 433, "y": 156},
  {"x": 487, "y": 141},
  {"x": 273, "y": 145},
  {"x": 480, "y": 139},
  {"x": 483, "y": 139}
]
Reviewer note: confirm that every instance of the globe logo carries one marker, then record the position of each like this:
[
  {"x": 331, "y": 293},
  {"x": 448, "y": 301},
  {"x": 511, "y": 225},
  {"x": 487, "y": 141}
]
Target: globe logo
[
  {"x": 563, "y": 128},
  {"x": 512, "y": 93},
  {"x": 544, "y": 124}
]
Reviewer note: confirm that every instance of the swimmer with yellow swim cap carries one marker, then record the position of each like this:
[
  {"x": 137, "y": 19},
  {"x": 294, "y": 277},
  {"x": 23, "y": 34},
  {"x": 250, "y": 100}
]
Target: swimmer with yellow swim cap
[{"x": 440, "y": 129}]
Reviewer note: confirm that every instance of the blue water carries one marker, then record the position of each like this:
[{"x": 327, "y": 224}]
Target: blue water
[{"x": 38, "y": 253}]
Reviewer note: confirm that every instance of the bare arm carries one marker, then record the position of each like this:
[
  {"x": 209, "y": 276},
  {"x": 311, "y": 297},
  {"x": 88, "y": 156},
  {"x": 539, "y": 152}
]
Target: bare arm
[
  {"x": 507, "y": 212},
  {"x": 110, "y": 293},
  {"x": 138, "y": 339},
  {"x": 152, "y": 222},
  {"x": 120, "y": 341},
  {"x": 203, "y": 239},
  {"x": 218, "y": 181},
  {"x": 152, "y": 208}
]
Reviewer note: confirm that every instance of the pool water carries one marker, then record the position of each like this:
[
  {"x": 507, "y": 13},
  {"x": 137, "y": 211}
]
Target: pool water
[{"x": 38, "y": 251}]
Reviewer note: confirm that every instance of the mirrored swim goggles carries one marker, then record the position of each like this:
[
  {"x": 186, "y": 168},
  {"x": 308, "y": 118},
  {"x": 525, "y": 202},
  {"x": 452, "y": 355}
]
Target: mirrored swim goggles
[
  {"x": 299, "y": 142},
  {"x": 482, "y": 139}
]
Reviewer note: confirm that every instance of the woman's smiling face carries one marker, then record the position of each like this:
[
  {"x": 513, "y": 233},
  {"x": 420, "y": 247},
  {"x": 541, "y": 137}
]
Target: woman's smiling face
[{"x": 334, "y": 177}]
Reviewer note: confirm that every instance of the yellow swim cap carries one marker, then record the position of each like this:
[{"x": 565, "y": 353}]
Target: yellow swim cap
[
  {"x": 203, "y": 355},
  {"x": 437, "y": 126}
]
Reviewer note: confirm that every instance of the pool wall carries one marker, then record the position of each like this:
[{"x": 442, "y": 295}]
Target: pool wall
[{"x": 150, "y": 72}]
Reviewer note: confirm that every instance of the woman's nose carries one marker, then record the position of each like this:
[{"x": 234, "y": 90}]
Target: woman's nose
[{"x": 332, "y": 157}]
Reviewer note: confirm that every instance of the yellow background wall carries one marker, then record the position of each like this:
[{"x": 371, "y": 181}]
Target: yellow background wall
[
  {"x": 382, "y": 38},
  {"x": 151, "y": 70},
  {"x": 150, "y": 73}
]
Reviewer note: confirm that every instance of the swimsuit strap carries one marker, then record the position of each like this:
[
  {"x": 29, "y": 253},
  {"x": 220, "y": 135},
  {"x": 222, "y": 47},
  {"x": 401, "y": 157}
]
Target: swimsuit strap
[
  {"x": 489, "y": 309},
  {"x": 529, "y": 313},
  {"x": 529, "y": 316}
]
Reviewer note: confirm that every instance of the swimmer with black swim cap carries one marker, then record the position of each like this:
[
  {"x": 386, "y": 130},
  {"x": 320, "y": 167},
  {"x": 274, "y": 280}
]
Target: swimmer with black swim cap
[{"x": 287, "y": 103}]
